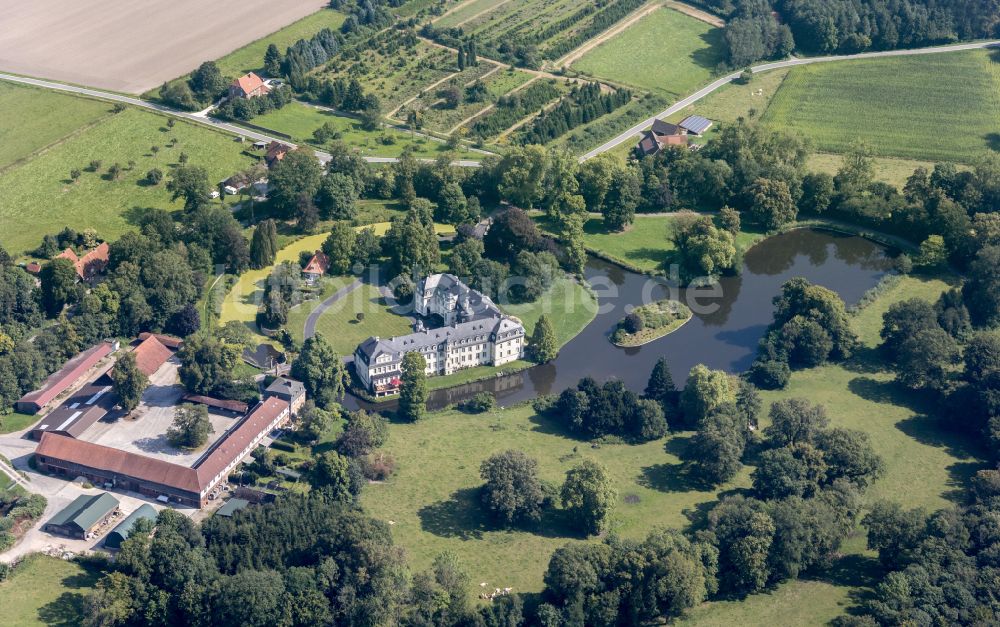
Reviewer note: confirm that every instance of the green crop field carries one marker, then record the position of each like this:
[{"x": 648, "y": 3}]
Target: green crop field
[
  {"x": 46, "y": 591},
  {"x": 300, "y": 121},
  {"x": 433, "y": 504},
  {"x": 39, "y": 196},
  {"x": 665, "y": 52},
  {"x": 33, "y": 119},
  {"x": 931, "y": 107}
]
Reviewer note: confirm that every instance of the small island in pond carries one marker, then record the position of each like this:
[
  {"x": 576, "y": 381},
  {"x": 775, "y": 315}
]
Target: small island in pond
[{"x": 650, "y": 322}]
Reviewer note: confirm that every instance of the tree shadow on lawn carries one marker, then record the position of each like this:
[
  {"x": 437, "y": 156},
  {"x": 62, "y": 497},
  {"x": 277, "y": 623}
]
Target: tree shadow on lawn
[
  {"x": 861, "y": 573},
  {"x": 462, "y": 516},
  {"x": 671, "y": 478},
  {"x": 68, "y": 608},
  {"x": 710, "y": 56},
  {"x": 993, "y": 141},
  {"x": 865, "y": 360}
]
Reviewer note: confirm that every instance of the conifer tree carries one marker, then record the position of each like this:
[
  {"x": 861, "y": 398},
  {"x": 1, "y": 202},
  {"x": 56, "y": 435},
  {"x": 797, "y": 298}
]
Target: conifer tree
[{"x": 543, "y": 341}]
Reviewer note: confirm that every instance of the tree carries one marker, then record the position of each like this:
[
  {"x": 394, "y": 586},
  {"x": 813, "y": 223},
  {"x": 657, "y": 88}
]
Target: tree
[
  {"x": 339, "y": 247},
  {"x": 796, "y": 470},
  {"x": 207, "y": 82},
  {"x": 293, "y": 179},
  {"x": 702, "y": 249},
  {"x": 191, "y": 426},
  {"x": 264, "y": 245},
  {"x": 849, "y": 455},
  {"x": 571, "y": 234},
  {"x": 661, "y": 388},
  {"x": 191, "y": 184},
  {"x": 925, "y": 359},
  {"x": 367, "y": 247},
  {"x": 153, "y": 177},
  {"x": 58, "y": 278},
  {"x": 543, "y": 344},
  {"x": 331, "y": 474},
  {"x": 413, "y": 391},
  {"x": 207, "y": 362},
  {"x": 453, "y": 206},
  {"x": 321, "y": 371},
  {"x": 772, "y": 205},
  {"x": 250, "y": 598},
  {"x": 621, "y": 199},
  {"x": 365, "y": 432},
  {"x": 129, "y": 382},
  {"x": 705, "y": 392},
  {"x": 717, "y": 448},
  {"x": 903, "y": 320},
  {"x": 817, "y": 192},
  {"x": 314, "y": 422},
  {"x": 522, "y": 172},
  {"x": 981, "y": 290},
  {"x": 744, "y": 534},
  {"x": 588, "y": 496},
  {"x": 512, "y": 231},
  {"x": 512, "y": 493},
  {"x": 461, "y": 58},
  {"x": 932, "y": 252},
  {"x": 272, "y": 61},
  {"x": 729, "y": 220},
  {"x": 337, "y": 196},
  {"x": 795, "y": 420}
]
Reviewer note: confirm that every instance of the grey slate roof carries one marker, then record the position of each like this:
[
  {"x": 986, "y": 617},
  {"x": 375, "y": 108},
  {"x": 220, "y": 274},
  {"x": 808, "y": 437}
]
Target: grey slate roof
[
  {"x": 286, "y": 387},
  {"x": 664, "y": 128},
  {"x": 497, "y": 326},
  {"x": 696, "y": 124}
]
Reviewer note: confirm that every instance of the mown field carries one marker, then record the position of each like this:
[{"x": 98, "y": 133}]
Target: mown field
[
  {"x": 45, "y": 591},
  {"x": 340, "y": 324},
  {"x": 930, "y": 107},
  {"x": 39, "y": 196},
  {"x": 665, "y": 52},
  {"x": 433, "y": 504},
  {"x": 300, "y": 121},
  {"x": 32, "y": 119}
]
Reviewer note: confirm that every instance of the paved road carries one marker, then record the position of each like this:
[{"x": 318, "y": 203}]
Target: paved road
[
  {"x": 198, "y": 117},
  {"x": 310, "y": 328},
  {"x": 701, "y": 93}
]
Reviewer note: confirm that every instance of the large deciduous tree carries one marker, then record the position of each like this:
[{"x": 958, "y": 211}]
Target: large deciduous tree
[
  {"x": 129, "y": 382},
  {"x": 320, "y": 369},
  {"x": 588, "y": 496},
  {"x": 512, "y": 493}
]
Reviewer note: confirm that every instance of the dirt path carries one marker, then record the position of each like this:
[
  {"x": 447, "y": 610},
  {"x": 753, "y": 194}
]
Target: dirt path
[
  {"x": 483, "y": 12},
  {"x": 696, "y": 13},
  {"x": 590, "y": 44}
]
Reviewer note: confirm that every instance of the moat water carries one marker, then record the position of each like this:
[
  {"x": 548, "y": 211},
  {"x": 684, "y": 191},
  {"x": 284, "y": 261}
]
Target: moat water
[{"x": 729, "y": 320}]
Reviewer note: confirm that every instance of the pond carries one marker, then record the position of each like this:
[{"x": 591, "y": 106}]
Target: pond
[{"x": 728, "y": 321}]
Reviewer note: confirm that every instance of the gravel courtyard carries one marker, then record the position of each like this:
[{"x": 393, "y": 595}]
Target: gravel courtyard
[
  {"x": 146, "y": 432},
  {"x": 129, "y": 46}
]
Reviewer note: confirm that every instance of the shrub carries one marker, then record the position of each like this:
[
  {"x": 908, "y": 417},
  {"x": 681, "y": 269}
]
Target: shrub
[
  {"x": 770, "y": 374},
  {"x": 154, "y": 176},
  {"x": 479, "y": 403},
  {"x": 378, "y": 466},
  {"x": 632, "y": 323}
]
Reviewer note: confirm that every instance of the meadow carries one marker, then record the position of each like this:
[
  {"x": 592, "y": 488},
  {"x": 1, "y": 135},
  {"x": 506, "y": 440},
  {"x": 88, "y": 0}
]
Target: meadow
[
  {"x": 300, "y": 120},
  {"x": 34, "y": 119},
  {"x": 433, "y": 503},
  {"x": 40, "y": 197},
  {"x": 46, "y": 591},
  {"x": 665, "y": 52},
  {"x": 928, "y": 107}
]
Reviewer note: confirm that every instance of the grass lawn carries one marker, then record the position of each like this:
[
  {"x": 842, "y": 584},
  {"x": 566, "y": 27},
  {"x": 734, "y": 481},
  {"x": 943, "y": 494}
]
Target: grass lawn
[
  {"x": 300, "y": 120},
  {"x": 15, "y": 421},
  {"x": 942, "y": 106},
  {"x": 339, "y": 324},
  {"x": 45, "y": 591},
  {"x": 666, "y": 52},
  {"x": 569, "y": 305},
  {"x": 39, "y": 197},
  {"x": 33, "y": 119},
  {"x": 645, "y": 245},
  {"x": 433, "y": 499},
  {"x": 794, "y": 603}
]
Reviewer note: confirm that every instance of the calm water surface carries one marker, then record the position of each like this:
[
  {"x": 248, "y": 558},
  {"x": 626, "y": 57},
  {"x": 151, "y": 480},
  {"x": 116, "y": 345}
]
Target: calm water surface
[{"x": 725, "y": 336}]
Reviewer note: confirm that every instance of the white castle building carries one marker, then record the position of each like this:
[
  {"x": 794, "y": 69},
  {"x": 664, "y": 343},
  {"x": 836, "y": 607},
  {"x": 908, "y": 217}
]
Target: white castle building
[{"x": 470, "y": 331}]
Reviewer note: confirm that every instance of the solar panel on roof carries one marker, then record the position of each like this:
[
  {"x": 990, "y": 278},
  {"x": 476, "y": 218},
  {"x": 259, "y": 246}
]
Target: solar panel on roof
[{"x": 696, "y": 124}]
